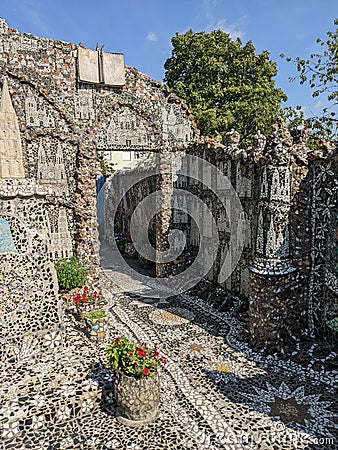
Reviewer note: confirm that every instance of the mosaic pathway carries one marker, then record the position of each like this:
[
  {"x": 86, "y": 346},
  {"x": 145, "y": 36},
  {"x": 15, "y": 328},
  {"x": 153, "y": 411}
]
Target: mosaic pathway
[{"x": 216, "y": 393}]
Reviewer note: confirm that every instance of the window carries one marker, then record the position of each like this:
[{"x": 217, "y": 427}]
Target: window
[{"x": 126, "y": 156}]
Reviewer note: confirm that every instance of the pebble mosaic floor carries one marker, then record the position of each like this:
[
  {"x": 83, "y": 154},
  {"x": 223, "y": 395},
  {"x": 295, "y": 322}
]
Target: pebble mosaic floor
[{"x": 215, "y": 392}]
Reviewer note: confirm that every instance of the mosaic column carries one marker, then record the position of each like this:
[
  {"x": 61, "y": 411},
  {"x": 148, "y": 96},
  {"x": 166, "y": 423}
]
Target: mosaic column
[
  {"x": 85, "y": 212},
  {"x": 275, "y": 313},
  {"x": 164, "y": 189}
]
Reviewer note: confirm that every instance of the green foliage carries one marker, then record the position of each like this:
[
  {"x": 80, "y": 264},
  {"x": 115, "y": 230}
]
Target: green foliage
[
  {"x": 224, "y": 83},
  {"x": 94, "y": 315},
  {"x": 134, "y": 360},
  {"x": 71, "y": 273},
  {"x": 107, "y": 168},
  {"x": 320, "y": 71},
  {"x": 321, "y": 132}
]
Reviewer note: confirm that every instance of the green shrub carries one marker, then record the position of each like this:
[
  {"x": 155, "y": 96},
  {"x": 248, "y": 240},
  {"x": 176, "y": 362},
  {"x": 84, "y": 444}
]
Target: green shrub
[
  {"x": 94, "y": 315},
  {"x": 71, "y": 273}
]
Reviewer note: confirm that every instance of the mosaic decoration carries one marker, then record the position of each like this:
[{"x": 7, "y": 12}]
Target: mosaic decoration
[
  {"x": 11, "y": 160},
  {"x": 126, "y": 130},
  {"x": 61, "y": 240},
  {"x": 171, "y": 316},
  {"x": 6, "y": 239},
  {"x": 37, "y": 113},
  {"x": 176, "y": 127},
  {"x": 323, "y": 297},
  {"x": 84, "y": 103},
  {"x": 52, "y": 171},
  {"x": 209, "y": 402},
  {"x": 293, "y": 407}
]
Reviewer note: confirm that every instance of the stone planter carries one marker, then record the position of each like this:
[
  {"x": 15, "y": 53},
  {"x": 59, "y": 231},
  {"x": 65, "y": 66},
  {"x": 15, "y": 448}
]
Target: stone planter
[
  {"x": 137, "y": 400},
  {"x": 97, "y": 327}
]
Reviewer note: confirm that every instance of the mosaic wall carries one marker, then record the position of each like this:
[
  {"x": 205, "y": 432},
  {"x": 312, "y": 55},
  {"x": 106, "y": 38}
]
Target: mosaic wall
[
  {"x": 56, "y": 114},
  {"x": 59, "y": 113},
  {"x": 323, "y": 299},
  {"x": 285, "y": 191}
]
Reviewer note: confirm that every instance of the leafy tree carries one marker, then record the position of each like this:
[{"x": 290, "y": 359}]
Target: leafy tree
[
  {"x": 224, "y": 82},
  {"x": 320, "y": 71}
]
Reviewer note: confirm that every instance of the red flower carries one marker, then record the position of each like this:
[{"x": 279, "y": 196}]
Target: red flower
[
  {"x": 145, "y": 371},
  {"x": 156, "y": 353},
  {"x": 76, "y": 300},
  {"x": 95, "y": 294},
  {"x": 140, "y": 352},
  {"x": 86, "y": 288}
]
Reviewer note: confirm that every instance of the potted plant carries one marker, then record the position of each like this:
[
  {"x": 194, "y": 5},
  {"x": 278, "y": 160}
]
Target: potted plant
[
  {"x": 96, "y": 319},
  {"x": 137, "y": 383},
  {"x": 71, "y": 274}
]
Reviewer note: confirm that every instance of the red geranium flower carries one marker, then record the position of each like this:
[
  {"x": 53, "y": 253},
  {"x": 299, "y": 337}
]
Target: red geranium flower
[
  {"x": 145, "y": 371},
  {"x": 140, "y": 352},
  {"x": 86, "y": 288}
]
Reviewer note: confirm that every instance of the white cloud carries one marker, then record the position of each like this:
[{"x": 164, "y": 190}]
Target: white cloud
[
  {"x": 207, "y": 3},
  {"x": 313, "y": 110},
  {"x": 152, "y": 37},
  {"x": 233, "y": 29}
]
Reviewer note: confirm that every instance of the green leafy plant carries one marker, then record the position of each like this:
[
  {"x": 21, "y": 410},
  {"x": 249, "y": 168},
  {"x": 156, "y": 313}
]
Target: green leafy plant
[
  {"x": 134, "y": 360},
  {"x": 71, "y": 273},
  {"x": 95, "y": 315}
]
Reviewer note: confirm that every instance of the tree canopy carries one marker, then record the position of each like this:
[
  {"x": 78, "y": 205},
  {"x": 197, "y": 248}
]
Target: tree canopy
[
  {"x": 225, "y": 83},
  {"x": 320, "y": 71}
]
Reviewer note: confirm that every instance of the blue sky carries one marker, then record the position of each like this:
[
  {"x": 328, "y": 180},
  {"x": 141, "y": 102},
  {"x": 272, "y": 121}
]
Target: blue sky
[{"x": 142, "y": 29}]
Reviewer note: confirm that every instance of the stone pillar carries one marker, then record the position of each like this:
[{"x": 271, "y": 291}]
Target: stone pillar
[
  {"x": 85, "y": 204},
  {"x": 164, "y": 187},
  {"x": 276, "y": 303}
]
